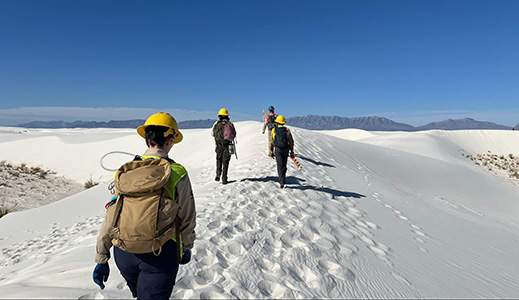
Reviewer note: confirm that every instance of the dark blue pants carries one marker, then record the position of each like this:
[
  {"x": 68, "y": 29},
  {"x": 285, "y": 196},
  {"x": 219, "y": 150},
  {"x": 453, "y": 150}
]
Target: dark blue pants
[{"x": 149, "y": 276}]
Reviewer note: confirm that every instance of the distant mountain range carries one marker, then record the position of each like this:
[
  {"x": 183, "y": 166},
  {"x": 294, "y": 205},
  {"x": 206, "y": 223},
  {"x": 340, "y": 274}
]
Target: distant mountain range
[
  {"x": 208, "y": 123},
  {"x": 375, "y": 123},
  {"x": 314, "y": 122},
  {"x": 466, "y": 123},
  {"x": 330, "y": 123}
]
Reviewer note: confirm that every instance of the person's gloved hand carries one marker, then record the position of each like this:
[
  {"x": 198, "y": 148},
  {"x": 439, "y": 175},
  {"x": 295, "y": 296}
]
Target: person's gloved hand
[
  {"x": 292, "y": 155},
  {"x": 263, "y": 132},
  {"x": 186, "y": 257},
  {"x": 101, "y": 273}
]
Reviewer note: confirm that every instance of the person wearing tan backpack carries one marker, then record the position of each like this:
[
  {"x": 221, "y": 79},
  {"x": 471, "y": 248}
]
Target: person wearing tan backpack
[{"x": 151, "y": 219}]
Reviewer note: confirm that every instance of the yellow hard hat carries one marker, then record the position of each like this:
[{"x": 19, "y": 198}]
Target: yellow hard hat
[
  {"x": 281, "y": 120},
  {"x": 162, "y": 119},
  {"x": 223, "y": 112}
]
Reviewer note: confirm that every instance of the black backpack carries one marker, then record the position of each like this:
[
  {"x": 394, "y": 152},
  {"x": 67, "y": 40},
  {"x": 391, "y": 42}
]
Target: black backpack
[
  {"x": 271, "y": 120},
  {"x": 281, "y": 137}
]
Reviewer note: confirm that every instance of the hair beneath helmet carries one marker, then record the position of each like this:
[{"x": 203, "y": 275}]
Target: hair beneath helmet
[
  {"x": 223, "y": 117},
  {"x": 155, "y": 135}
]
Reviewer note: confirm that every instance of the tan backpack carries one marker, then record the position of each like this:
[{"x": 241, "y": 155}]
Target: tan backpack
[{"x": 144, "y": 215}]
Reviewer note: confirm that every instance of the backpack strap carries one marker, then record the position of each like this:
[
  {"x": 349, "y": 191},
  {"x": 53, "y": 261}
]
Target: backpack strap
[{"x": 177, "y": 173}]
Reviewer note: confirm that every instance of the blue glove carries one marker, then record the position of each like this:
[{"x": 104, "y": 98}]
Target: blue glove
[
  {"x": 186, "y": 257},
  {"x": 101, "y": 273}
]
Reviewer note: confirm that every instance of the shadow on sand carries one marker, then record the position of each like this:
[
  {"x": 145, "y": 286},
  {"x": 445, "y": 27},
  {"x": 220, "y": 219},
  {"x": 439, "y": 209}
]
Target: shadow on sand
[
  {"x": 317, "y": 163},
  {"x": 333, "y": 192},
  {"x": 289, "y": 179},
  {"x": 295, "y": 183}
]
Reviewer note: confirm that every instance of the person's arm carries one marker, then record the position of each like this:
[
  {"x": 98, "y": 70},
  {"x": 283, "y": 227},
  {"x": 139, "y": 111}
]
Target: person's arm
[
  {"x": 272, "y": 140},
  {"x": 212, "y": 130},
  {"x": 103, "y": 245},
  {"x": 265, "y": 125},
  {"x": 187, "y": 212},
  {"x": 291, "y": 142}
]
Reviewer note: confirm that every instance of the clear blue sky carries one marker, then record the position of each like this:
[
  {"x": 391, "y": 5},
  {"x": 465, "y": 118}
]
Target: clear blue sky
[{"x": 411, "y": 61}]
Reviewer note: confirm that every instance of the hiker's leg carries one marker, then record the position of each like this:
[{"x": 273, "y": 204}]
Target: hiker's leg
[
  {"x": 279, "y": 163},
  {"x": 226, "y": 158},
  {"x": 219, "y": 154},
  {"x": 158, "y": 273},
  {"x": 269, "y": 142},
  {"x": 284, "y": 158},
  {"x": 127, "y": 264}
]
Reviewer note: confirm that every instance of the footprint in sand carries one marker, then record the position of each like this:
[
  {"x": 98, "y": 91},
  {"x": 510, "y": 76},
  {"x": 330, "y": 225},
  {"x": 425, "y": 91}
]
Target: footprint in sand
[
  {"x": 217, "y": 239},
  {"x": 267, "y": 265},
  {"x": 401, "y": 279},
  {"x": 328, "y": 267},
  {"x": 307, "y": 234},
  {"x": 236, "y": 248},
  {"x": 265, "y": 213},
  {"x": 290, "y": 242},
  {"x": 206, "y": 261},
  {"x": 297, "y": 273},
  {"x": 228, "y": 232},
  {"x": 207, "y": 276},
  {"x": 241, "y": 226},
  {"x": 275, "y": 241},
  {"x": 272, "y": 251},
  {"x": 285, "y": 221},
  {"x": 271, "y": 289},
  {"x": 214, "y": 224},
  {"x": 418, "y": 232}
]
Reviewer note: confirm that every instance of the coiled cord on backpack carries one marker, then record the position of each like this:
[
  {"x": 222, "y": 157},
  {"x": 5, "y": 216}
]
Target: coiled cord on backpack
[{"x": 110, "y": 153}]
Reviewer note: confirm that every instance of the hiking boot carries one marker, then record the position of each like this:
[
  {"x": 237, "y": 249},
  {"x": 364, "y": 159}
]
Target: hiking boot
[
  {"x": 281, "y": 185},
  {"x": 224, "y": 181},
  {"x": 217, "y": 178}
]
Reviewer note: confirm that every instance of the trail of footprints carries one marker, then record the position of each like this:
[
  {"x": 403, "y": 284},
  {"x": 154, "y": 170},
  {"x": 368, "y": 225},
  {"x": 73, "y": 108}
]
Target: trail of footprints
[
  {"x": 250, "y": 242},
  {"x": 57, "y": 239},
  {"x": 415, "y": 229},
  {"x": 419, "y": 234}
]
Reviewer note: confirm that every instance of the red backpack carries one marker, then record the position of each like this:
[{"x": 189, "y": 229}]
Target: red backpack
[{"x": 229, "y": 133}]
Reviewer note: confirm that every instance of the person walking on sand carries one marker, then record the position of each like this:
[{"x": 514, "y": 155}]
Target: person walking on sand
[
  {"x": 270, "y": 124},
  {"x": 283, "y": 146},
  {"x": 149, "y": 246},
  {"x": 224, "y": 134}
]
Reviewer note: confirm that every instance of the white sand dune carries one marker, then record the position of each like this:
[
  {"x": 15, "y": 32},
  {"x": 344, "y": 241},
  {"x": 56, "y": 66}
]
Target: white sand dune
[{"x": 371, "y": 215}]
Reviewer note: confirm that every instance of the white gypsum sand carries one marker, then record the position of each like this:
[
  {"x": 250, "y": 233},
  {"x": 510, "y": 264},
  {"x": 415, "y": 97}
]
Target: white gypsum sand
[{"x": 378, "y": 215}]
